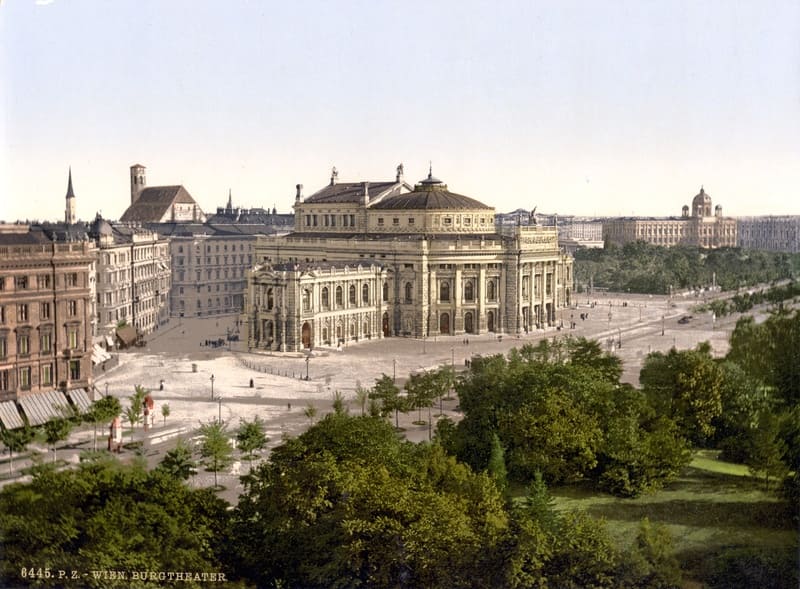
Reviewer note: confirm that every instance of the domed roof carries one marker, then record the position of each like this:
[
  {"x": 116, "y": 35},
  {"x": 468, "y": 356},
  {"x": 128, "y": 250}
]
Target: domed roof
[
  {"x": 701, "y": 198},
  {"x": 100, "y": 227},
  {"x": 430, "y": 194}
]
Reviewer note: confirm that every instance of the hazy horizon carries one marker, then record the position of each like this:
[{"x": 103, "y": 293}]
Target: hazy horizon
[{"x": 577, "y": 108}]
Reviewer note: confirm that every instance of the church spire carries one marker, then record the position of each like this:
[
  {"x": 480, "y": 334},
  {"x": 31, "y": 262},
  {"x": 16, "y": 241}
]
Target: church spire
[
  {"x": 230, "y": 200},
  {"x": 69, "y": 213}
]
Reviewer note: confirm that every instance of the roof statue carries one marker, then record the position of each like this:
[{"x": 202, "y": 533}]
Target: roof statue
[{"x": 532, "y": 217}]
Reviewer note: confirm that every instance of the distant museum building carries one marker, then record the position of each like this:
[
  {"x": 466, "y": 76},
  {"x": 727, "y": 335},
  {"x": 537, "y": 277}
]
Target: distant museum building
[
  {"x": 699, "y": 228},
  {"x": 377, "y": 259}
]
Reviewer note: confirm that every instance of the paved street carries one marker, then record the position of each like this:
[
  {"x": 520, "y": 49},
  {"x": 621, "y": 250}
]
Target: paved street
[{"x": 179, "y": 356}]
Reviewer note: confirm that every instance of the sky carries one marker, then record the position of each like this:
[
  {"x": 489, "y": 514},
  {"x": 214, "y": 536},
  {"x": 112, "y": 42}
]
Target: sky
[{"x": 575, "y": 107}]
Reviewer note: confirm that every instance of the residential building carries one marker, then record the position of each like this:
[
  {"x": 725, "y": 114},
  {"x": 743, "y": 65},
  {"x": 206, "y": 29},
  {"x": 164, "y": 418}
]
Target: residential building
[{"x": 778, "y": 233}]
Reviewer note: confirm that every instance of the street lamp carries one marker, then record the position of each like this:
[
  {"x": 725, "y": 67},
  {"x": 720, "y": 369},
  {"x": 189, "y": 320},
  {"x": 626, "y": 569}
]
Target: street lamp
[
  {"x": 212, "y": 387},
  {"x": 394, "y": 369},
  {"x": 662, "y": 325}
]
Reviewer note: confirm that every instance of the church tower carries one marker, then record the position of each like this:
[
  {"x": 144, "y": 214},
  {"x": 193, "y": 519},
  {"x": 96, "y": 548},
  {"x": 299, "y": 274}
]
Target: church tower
[
  {"x": 69, "y": 213},
  {"x": 138, "y": 181}
]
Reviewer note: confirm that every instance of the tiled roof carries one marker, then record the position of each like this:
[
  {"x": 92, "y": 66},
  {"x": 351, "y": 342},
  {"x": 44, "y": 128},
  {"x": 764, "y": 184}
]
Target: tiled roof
[{"x": 154, "y": 202}]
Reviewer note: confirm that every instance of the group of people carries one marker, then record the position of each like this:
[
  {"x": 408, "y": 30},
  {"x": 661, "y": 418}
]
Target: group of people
[{"x": 115, "y": 429}]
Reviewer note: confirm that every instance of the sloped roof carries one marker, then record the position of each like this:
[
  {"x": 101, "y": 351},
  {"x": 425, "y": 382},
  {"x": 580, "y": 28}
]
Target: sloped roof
[
  {"x": 353, "y": 192},
  {"x": 127, "y": 334},
  {"x": 155, "y": 202}
]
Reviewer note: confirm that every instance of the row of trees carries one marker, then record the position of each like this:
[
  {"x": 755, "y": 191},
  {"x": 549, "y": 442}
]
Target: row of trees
[
  {"x": 644, "y": 268},
  {"x": 744, "y": 302}
]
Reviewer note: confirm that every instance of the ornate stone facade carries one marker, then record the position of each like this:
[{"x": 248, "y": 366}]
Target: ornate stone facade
[
  {"x": 415, "y": 262},
  {"x": 701, "y": 228}
]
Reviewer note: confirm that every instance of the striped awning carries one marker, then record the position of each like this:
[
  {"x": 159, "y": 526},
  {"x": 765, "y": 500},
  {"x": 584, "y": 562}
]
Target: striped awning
[
  {"x": 80, "y": 398},
  {"x": 10, "y": 416},
  {"x": 42, "y": 407}
]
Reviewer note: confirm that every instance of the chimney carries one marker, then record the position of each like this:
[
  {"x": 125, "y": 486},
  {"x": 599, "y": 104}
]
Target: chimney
[
  {"x": 299, "y": 195},
  {"x": 366, "y": 193}
]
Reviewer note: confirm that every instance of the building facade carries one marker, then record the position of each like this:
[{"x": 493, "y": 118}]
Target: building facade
[
  {"x": 697, "y": 227},
  {"x": 772, "y": 233},
  {"x": 159, "y": 204},
  {"x": 45, "y": 311},
  {"x": 381, "y": 259},
  {"x": 133, "y": 278}
]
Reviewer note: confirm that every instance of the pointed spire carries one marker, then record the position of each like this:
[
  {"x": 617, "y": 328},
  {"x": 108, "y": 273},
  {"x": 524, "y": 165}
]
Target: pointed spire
[
  {"x": 70, "y": 193},
  {"x": 230, "y": 200}
]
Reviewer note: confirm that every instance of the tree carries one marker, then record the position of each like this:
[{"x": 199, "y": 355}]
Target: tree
[
  {"x": 362, "y": 396},
  {"x": 16, "y": 440},
  {"x": 102, "y": 411},
  {"x": 651, "y": 561},
  {"x": 388, "y": 394},
  {"x": 338, "y": 402},
  {"x": 421, "y": 390},
  {"x": 134, "y": 412},
  {"x": 497, "y": 464},
  {"x": 165, "y": 411},
  {"x": 310, "y": 411},
  {"x": 767, "y": 451},
  {"x": 105, "y": 515},
  {"x": 178, "y": 462},
  {"x": 56, "y": 430},
  {"x": 215, "y": 447},
  {"x": 251, "y": 437}
]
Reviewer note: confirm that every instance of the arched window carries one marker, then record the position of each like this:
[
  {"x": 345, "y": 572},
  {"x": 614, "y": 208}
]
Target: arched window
[
  {"x": 270, "y": 299},
  {"x": 352, "y": 294},
  {"x": 365, "y": 293},
  {"x": 339, "y": 296},
  {"x": 409, "y": 291},
  {"x": 326, "y": 301},
  {"x": 385, "y": 292},
  {"x": 444, "y": 291},
  {"x": 490, "y": 290},
  {"x": 469, "y": 291},
  {"x": 306, "y": 299}
]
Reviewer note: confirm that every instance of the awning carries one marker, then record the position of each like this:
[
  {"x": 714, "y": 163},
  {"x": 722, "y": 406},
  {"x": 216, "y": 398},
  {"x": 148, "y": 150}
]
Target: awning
[
  {"x": 10, "y": 416},
  {"x": 109, "y": 341},
  {"x": 127, "y": 335},
  {"x": 99, "y": 355},
  {"x": 42, "y": 407},
  {"x": 81, "y": 399}
]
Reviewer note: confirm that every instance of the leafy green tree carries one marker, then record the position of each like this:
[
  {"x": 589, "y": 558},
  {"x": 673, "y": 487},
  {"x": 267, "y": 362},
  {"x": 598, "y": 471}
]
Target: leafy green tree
[
  {"x": 686, "y": 386},
  {"x": 388, "y": 394},
  {"x": 102, "y": 411},
  {"x": 651, "y": 561},
  {"x": 251, "y": 437},
  {"x": 215, "y": 447},
  {"x": 16, "y": 440},
  {"x": 497, "y": 464},
  {"x": 767, "y": 451},
  {"x": 421, "y": 390},
  {"x": 56, "y": 430},
  {"x": 165, "y": 411},
  {"x": 362, "y": 397},
  {"x": 310, "y": 411},
  {"x": 178, "y": 462},
  {"x": 339, "y": 405},
  {"x": 348, "y": 504},
  {"x": 108, "y": 516}
]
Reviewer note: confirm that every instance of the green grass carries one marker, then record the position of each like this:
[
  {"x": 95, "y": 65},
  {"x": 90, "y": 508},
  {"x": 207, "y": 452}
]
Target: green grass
[{"x": 711, "y": 506}]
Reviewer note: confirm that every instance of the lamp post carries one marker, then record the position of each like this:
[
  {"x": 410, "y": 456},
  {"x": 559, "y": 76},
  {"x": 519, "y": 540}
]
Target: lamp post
[
  {"x": 212, "y": 387},
  {"x": 662, "y": 325},
  {"x": 308, "y": 359},
  {"x": 394, "y": 369}
]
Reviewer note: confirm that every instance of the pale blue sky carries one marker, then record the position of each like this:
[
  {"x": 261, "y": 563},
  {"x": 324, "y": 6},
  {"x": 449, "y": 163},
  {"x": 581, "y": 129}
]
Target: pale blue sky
[{"x": 577, "y": 107}]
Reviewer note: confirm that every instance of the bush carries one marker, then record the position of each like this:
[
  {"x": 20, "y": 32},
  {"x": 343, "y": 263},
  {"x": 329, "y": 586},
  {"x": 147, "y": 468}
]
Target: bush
[{"x": 747, "y": 568}]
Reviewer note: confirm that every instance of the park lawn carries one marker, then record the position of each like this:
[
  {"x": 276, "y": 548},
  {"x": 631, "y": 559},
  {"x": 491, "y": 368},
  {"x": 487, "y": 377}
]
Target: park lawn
[{"x": 711, "y": 506}]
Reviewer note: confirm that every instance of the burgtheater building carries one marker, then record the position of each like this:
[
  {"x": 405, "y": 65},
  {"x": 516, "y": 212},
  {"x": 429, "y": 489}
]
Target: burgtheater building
[{"x": 380, "y": 259}]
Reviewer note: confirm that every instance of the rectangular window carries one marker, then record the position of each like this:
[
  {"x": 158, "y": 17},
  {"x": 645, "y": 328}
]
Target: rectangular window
[
  {"x": 2, "y": 282},
  {"x": 3, "y": 347},
  {"x": 72, "y": 308},
  {"x": 3, "y": 380},
  {"x": 395, "y": 221},
  {"x": 47, "y": 374},
  {"x": 44, "y": 311},
  {"x": 72, "y": 338},
  {"x": 380, "y": 221},
  {"x": 22, "y": 313},
  {"x": 24, "y": 345},
  {"x": 447, "y": 221},
  {"x": 411, "y": 220},
  {"x": 2, "y": 314},
  {"x": 71, "y": 278},
  {"x": 46, "y": 343},
  {"x": 21, "y": 282},
  {"x": 75, "y": 369},
  {"x": 25, "y": 377}
]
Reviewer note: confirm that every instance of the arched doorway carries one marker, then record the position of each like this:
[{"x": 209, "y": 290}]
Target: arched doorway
[
  {"x": 469, "y": 327},
  {"x": 444, "y": 324},
  {"x": 490, "y": 321},
  {"x": 306, "y": 335},
  {"x": 385, "y": 324}
]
